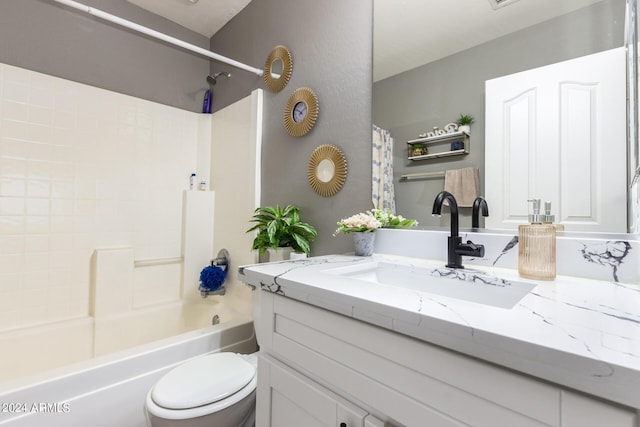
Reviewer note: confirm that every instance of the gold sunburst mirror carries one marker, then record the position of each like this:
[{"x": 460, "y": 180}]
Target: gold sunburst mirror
[
  {"x": 277, "y": 68},
  {"x": 301, "y": 112},
  {"x": 327, "y": 170}
]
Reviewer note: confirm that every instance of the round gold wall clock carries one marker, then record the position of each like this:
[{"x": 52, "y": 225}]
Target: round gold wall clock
[
  {"x": 277, "y": 68},
  {"x": 327, "y": 170},
  {"x": 301, "y": 112}
]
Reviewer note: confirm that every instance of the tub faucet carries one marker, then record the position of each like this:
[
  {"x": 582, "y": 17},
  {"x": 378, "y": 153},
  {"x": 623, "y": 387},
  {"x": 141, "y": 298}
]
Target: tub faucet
[
  {"x": 478, "y": 203},
  {"x": 455, "y": 248}
]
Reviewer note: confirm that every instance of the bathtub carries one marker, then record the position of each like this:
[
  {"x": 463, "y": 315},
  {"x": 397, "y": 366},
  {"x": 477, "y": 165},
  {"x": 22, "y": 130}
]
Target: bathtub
[
  {"x": 110, "y": 390},
  {"x": 83, "y": 338}
]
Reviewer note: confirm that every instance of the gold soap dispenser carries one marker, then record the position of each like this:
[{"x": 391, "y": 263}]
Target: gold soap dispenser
[{"x": 537, "y": 246}]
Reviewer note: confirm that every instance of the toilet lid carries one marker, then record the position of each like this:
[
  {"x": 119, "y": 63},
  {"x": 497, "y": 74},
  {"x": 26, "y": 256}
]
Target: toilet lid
[{"x": 202, "y": 381}]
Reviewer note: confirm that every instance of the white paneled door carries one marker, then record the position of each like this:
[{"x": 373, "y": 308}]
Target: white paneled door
[{"x": 558, "y": 133}]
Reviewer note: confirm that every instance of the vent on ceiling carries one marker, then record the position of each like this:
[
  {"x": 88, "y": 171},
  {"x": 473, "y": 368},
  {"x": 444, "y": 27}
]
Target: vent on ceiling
[{"x": 496, "y": 4}]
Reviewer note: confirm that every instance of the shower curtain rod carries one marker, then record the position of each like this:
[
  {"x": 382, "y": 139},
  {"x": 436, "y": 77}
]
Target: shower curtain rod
[{"x": 158, "y": 35}]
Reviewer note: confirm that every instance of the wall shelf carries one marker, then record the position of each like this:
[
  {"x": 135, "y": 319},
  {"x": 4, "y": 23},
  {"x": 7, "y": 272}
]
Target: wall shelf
[{"x": 440, "y": 140}]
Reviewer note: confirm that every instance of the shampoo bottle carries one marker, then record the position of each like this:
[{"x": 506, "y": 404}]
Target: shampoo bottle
[
  {"x": 537, "y": 247},
  {"x": 206, "y": 104}
]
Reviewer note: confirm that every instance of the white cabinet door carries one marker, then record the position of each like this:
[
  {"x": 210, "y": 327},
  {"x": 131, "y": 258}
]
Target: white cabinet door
[
  {"x": 579, "y": 410},
  {"x": 285, "y": 399},
  {"x": 371, "y": 421},
  {"x": 558, "y": 133}
]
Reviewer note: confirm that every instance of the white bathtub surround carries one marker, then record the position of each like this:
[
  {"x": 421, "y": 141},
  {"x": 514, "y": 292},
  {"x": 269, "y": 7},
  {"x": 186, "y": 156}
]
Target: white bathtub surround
[
  {"x": 112, "y": 281},
  {"x": 110, "y": 390},
  {"x": 83, "y": 168},
  {"x": 235, "y": 176},
  {"x": 576, "y": 332},
  {"x": 197, "y": 239},
  {"x": 80, "y": 339}
]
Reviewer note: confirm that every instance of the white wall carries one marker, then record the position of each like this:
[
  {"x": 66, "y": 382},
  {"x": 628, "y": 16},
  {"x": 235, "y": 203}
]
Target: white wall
[
  {"x": 82, "y": 168},
  {"x": 235, "y": 178}
]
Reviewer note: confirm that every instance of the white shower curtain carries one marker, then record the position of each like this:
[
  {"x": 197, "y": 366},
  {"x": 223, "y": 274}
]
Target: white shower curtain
[{"x": 383, "y": 193}]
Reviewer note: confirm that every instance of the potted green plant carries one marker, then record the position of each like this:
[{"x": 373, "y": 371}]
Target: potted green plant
[
  {"x": 464, "y": 122},
  {"x": 418, "y": 149},
  {"x": 280, "y": 228}
]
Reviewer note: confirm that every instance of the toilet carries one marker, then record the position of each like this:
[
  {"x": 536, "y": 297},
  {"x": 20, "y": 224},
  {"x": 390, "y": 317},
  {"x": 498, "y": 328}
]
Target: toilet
[{"x": 216, "y": 390}]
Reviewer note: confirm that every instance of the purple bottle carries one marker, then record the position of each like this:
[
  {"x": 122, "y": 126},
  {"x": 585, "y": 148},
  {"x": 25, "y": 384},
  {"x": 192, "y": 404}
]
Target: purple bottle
[{"x": 206, "y": 105}]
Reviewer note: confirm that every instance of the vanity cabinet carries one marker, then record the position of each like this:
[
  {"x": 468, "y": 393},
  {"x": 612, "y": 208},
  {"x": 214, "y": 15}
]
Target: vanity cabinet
[
  {"x": 319, "y": 364},
  {"x": 287, "y": 398},
  {"x": 439, "y": 146}
]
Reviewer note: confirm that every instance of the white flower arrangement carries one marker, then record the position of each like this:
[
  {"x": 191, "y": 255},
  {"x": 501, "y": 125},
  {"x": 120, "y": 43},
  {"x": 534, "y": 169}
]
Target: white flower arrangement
[
  {"x": 370, "y": 221},
  {"x": 361, "y": 222}
]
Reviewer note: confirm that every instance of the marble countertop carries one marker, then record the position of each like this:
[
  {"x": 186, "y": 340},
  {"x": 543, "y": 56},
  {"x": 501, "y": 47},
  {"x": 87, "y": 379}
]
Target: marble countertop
[{"x": 579, "y": 333}]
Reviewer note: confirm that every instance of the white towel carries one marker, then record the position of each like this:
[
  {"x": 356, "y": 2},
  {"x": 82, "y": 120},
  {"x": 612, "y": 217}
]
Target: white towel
[{"x": 464, "y": 184}]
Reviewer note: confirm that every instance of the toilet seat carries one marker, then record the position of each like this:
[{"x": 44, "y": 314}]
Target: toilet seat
[{"x": 203, "y": 385}]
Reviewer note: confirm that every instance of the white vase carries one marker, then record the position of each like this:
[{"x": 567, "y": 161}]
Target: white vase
[
  {"x": 465, "y": 128},
  {"x": 363, "y": 243},
  {"x": 279, "y": 254},
  {"x": 297, "y": 255}
]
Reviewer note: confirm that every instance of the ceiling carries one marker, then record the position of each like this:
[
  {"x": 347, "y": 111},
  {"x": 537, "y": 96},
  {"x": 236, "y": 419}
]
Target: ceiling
[
  {"x": 408, "y": 33},
  {"x": 205, "y": 17}
]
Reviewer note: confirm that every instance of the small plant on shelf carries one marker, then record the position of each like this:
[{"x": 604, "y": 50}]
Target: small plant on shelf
[
  {"x": 464, "y": 122},
  {"x": 418, "y": 150}
]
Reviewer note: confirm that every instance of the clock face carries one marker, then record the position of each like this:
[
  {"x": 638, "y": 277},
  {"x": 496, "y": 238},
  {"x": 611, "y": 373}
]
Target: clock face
[{"x": 299, "y": 112}]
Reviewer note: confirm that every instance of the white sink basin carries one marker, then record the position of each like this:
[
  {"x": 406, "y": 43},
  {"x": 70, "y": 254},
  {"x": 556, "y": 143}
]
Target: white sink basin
[{"x": 463, "y": 284}]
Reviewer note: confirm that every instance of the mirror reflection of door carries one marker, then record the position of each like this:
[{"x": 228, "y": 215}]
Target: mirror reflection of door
[{"x": 558, "y": 133}]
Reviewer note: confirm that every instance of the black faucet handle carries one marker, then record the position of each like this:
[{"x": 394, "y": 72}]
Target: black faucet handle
[
  {"x": 470, "y": 249},
  {"x": 479, "y": 249}
]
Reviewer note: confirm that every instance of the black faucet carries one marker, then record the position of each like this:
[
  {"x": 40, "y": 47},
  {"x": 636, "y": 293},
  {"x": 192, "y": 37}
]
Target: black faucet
[
  {"x": 478, "y": 203},
  {"x": 455, "y": 248}
]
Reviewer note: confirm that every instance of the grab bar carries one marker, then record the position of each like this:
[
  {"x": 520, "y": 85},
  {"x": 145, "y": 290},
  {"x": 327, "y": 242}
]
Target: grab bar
[{"x": 156, "y": 261}]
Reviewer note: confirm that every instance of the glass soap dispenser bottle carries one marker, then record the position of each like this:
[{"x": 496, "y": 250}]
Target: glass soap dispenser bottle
[{"x": 537, "y": 247}]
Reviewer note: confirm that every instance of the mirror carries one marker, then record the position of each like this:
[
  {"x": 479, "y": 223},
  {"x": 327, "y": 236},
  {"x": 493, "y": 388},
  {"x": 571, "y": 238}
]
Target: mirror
[
  {"x": 433, "y": 70},
  {"x": 327, "y": 170},
  {"x": 277, "y": 68}
]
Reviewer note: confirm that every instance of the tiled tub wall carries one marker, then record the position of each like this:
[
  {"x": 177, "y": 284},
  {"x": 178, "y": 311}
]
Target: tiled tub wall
[{"x": 82, "y": 168}]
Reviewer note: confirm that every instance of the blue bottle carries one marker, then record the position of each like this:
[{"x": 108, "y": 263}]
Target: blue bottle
[{"x": 206, "y": 105}]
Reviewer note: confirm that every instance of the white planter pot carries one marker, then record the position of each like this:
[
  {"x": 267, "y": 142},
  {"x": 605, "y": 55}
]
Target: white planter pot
[
  {"x": 297, "y": 255},
  {"x": 272, "y": 255},
  {"x": 363, "y": 243}
]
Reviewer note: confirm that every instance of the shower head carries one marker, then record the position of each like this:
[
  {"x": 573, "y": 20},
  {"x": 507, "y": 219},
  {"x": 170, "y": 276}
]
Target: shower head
[{"x": 212, "y": 79}]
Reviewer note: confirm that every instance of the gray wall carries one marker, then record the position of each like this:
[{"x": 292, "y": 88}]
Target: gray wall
[
  {"x": 437, "y": 93},
  {"x": 331, "y": 42},
  {"x": 331, "y": 45},
  {"x": 44, "y": 36}
]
